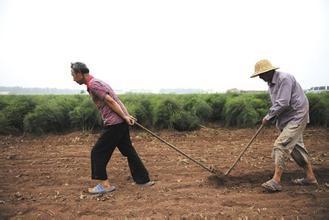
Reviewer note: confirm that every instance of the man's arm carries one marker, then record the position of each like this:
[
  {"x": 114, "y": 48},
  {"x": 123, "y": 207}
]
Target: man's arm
[
  {"x": 282, "y": 101},
  {"x": 123, "y": 107},
  {"x": 117, "y": 109}
]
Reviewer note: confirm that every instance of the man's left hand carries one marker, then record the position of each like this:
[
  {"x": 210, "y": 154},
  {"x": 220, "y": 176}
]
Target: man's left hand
[{"x": 265, "y": 121}]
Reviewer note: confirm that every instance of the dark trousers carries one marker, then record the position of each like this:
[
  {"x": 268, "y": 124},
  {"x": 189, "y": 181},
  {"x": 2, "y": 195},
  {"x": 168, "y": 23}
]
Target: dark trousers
[{"x": 112, "y": 137}]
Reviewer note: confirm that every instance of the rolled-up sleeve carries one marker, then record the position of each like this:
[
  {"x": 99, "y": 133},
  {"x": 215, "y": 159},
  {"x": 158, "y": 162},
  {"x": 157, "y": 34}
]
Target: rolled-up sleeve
[{"x": 282, "y": 100}]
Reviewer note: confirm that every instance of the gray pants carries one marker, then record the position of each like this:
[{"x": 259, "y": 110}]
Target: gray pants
[{"x": 290, "y": 143}]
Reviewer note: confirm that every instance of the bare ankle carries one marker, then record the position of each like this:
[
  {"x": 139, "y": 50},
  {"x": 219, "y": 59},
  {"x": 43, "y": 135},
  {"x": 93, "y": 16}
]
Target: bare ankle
[
  {"x": 276, "y": 179},
  {"x": 106, "y": 183},
  {"x": 310, "y": 178}
]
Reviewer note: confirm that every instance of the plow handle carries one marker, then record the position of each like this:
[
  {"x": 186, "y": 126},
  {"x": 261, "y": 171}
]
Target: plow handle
[
  {"x": 244, "y": 150},
  {"x": 173, "y": 147}
]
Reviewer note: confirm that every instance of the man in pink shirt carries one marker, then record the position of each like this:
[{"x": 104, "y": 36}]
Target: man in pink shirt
[
  {"x": 290, "y": 108},
  {"x": 116, "y": 132}
]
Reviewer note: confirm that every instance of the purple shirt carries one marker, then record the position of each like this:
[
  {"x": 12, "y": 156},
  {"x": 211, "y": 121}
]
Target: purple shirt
[
  {"x": 289, "y": 102},
  {"x": 98, "y": 90}
]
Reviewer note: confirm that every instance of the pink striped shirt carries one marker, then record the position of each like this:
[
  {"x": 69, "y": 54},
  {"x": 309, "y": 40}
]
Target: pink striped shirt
[{"x": 98, "y": 90}]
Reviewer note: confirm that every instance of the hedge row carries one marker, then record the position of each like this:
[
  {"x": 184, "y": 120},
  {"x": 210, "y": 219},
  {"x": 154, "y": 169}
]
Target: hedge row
[{"x": 53, "y": 113}]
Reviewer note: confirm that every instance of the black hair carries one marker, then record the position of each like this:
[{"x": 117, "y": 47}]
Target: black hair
[{"x": 79, "y": 67}]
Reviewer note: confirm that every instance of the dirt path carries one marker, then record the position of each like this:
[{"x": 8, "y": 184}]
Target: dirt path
[{"x": 44, "y": 178}]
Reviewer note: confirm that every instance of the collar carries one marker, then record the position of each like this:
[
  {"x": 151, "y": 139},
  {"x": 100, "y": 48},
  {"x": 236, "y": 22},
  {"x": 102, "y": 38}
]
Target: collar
[
  {"x": 88, "y": 80},
  {"x": 274, "y": 79}
]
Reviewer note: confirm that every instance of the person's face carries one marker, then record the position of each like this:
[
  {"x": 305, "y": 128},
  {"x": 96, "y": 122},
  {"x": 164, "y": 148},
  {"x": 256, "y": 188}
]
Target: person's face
[
  {"x": 77, "y": 77},
  {"x": 267, "y": 77}
]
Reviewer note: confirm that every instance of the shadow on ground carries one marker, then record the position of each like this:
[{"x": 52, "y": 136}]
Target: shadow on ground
[{"x": 258, "y": 178}]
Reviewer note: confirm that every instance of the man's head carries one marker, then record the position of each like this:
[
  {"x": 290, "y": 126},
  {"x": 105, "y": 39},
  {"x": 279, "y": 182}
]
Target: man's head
[
  {"x": 79, "y": 71},
  {"x": 267, "y": 76},
  {"x": 265, "y": 70}
]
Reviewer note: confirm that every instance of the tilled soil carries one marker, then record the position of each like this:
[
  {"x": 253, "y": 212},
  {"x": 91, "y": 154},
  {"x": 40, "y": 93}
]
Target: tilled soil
[{"x": 46, "y": 178}]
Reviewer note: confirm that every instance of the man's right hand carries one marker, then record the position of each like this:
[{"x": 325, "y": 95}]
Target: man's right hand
[{"x": 130, "y": 120}]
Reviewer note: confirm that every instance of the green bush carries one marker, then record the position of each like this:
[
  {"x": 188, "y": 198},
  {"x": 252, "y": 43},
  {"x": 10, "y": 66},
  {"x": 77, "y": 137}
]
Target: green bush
[
  {"x": 198, "y": 107},
  {"x": 58, "y": 113},
  {"x": 203, "y": 110},
  {"x": 3, "y": 103},
  {"x": 239, "y": 111},
  {"x": 189, "y": 103},
  {"x": 5, "y": 127},
  {"x": 319, "y": 109},
  {"x": 217, "y": 103},
  {"x": 85, "y": 116},
  {"x": 262, "y": 96},
  {"x": 261, "y": 106},
  {"x": 15, "y": 111},
  {"x": 185, "y": 121},
  {"x": 144, "y": 113},
  {"x": 52, "y": 116},
  {"x": 164, "y": 112}
]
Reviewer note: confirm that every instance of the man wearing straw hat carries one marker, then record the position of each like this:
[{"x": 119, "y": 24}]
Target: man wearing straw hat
[
  {"x": 116, "y": 132},
  {"x": 290, "y": 107}
]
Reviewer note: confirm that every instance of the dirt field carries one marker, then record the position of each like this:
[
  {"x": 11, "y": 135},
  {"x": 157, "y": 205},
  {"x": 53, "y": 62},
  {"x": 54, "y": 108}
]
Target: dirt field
[{"x": 45, "y": 178}]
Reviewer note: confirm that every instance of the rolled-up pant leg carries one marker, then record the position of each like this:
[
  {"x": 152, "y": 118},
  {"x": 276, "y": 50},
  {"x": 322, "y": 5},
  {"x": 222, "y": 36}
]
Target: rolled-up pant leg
[
  {"x": 300, "y": 154},
  {"x": 289, "y": 140}
]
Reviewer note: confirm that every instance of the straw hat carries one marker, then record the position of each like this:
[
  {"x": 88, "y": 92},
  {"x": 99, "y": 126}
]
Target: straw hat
[{"x": 263, "y": 66}]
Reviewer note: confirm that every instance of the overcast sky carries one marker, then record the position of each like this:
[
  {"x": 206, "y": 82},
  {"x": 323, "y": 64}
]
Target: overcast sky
[{"x": 211, "y": 45}]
